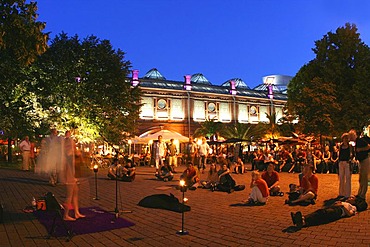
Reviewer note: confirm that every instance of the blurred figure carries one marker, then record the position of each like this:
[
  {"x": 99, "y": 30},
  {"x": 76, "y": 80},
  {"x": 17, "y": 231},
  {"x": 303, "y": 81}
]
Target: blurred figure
[
  {"x": 25, "y": 147},
  {"x": 68, "y": 176}
]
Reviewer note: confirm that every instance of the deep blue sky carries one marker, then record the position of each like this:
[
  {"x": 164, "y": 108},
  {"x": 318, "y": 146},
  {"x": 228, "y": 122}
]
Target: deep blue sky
[{"x": 222, "y": 39}]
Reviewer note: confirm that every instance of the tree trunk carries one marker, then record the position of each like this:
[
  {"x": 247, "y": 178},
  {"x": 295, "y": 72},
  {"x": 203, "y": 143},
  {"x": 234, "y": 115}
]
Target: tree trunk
[{"x": 10, "y": 155}]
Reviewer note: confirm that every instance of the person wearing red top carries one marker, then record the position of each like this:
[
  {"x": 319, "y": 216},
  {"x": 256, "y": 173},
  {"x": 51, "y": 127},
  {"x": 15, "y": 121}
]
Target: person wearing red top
[
  {"x": 308, "y": 186},
  {"x": 190, "y": 175},
  {"x": 260, "y": 190},
  {"x": 272, "y": 179}
]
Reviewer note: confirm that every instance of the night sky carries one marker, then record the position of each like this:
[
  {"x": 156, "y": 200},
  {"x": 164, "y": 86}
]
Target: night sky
[{"x": 221, "y": 39}]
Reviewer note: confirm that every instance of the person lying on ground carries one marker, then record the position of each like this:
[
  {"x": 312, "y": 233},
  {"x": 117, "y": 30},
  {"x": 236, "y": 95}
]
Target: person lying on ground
[{"x": 338, "y": 210}]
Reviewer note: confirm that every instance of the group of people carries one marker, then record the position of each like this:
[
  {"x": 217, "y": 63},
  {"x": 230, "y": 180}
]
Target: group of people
[
  {"x": 123, "y": 170},
  {"x": 352, "y": 149},
  {"x": 218, "y": 178}
]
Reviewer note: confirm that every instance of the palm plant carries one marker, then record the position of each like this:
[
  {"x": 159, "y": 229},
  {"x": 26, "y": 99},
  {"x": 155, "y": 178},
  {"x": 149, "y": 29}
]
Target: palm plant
[{"x": 208, "y": 128}]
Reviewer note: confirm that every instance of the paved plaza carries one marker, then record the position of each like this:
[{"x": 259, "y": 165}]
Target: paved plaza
[{"x": 212, "y": 220}]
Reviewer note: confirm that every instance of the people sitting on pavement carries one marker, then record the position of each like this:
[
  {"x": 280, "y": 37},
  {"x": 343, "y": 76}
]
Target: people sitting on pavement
[
  {"x": 326, "y": 160},
  {"x": 226, "y": 182},
  {"x": 272, "y": 179},
  {"x": 338, "y": 210},
  {"x": 299, "y": 160},
  {"x": 115, "y": 170},
  {"x": 285, "y": 161},
  {"x": 307, "y": 191},
  {"x": 124, "y": 173},
  {"x": 318, "y": 160},
  {"x": 212, "y": 178},
  {"x": 191, "y": 176},
  {"x": 165, "y": 173},
  {"x": 260, "y": 192},
  {"x": 239, "y": 166},
  {"x": 334, "y": 160},
  {"x": 258, "y": 160},
  {"x": 128, "y": 172}
]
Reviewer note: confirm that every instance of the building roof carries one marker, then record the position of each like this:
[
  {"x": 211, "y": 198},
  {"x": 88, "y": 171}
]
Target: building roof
[
  {"x": 176, "y": 85},
  {"x": 239, "y": 83},
  {"x": 200, "y": 79},
  {"x": 154, "y": 74},
  {"x": 199, "y": 83}
]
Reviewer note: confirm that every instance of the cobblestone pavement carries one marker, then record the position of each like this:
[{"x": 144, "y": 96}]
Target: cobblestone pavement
[{"x": 211, "y": 221}]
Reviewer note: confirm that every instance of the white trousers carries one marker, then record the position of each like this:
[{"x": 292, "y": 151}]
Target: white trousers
[
  {"x": 256, "y": 195},
  {"x": 344, "y": 175}
]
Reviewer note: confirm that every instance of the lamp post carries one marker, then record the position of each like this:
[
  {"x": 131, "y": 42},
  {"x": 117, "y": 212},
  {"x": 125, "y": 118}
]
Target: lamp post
[
  {"x": 270, "y": 95},
  {"x": 183, "y": 188},
  {"x": 96, "y": 167}
]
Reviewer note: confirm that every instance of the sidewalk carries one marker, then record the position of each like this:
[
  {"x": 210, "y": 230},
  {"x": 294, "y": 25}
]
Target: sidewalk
[{"x": 211, "y": 221}]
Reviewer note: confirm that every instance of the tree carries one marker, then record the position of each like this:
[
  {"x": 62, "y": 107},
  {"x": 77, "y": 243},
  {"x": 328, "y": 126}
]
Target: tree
[
  {"x": 243, "y": 131},
  {"x": 21, "y": 41},
  {"x": 84, "y": 85},
  {"x": 329, "y": 93}
]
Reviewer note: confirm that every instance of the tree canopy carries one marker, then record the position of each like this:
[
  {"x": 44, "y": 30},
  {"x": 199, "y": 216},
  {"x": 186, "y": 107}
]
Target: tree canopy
[
  {"x": 83, "y": 84},
  {"x": 22, "y": 40},
  {"x": 329, "y": 94}
]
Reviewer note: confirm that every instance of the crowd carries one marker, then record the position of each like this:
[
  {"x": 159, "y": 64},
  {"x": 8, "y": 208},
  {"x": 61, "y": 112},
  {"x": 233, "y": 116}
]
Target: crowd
[{"x": 349, "y": 156}]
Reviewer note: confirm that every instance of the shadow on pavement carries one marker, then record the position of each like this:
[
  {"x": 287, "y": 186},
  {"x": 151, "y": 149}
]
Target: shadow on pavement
[{"x": 291, "y": 229}]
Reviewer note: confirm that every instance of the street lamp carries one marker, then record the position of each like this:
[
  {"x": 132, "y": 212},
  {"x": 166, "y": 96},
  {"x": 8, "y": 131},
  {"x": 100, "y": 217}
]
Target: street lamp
[
  {"x": 96, "y": 167},
  {"x": 270, "y": 95},
  {"x": 183, "y": 188}
]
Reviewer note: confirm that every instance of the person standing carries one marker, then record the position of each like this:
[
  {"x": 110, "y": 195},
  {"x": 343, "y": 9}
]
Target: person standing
[
  {"x": 25, "y": 147},
  {"x": 362, "y": 147},
  {"x": 203, "y": 151},
  {"x": 68, "y": 177},
  {"x": 191, "y": 150},
  {"x": 53, "y": 157},
  {"x": 160, "y": 153},
  {"x": 344, "y": 172},
  {"x": 172, "y": 155}
]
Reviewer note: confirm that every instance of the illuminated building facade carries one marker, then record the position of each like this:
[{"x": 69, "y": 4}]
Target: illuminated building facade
[{"x": 182, "y": 105}]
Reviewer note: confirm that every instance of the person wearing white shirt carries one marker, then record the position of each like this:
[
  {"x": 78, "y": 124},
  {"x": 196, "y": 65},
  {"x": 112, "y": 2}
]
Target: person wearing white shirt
[
  {"x": 203, "y": 151},
  {"x": 160, "y": 153},
  {"x": 25, "y": 147}
]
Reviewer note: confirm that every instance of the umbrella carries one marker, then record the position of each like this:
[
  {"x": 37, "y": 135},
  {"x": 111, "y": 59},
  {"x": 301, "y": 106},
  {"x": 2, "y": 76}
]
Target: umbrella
[
  {"x": 166, "y": 135},
  {"x": 234, "y": 140}
]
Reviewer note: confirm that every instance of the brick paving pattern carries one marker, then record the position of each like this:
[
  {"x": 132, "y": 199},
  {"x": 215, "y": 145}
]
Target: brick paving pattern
[{"x": 211, "y": 221}]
